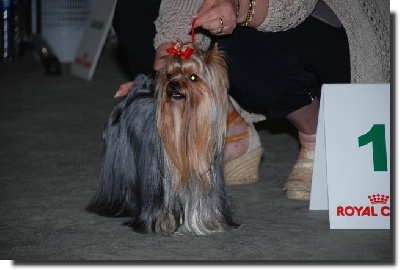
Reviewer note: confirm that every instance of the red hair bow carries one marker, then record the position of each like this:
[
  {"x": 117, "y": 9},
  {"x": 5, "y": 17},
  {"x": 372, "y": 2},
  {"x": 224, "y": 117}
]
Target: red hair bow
[{"x": 184, "y": 51}]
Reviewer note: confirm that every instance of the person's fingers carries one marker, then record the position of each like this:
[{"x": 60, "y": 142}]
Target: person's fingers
[
  {"x": 211, "y": 20},
  {"x": 161, "y": 53},
  {"x": 206, "y": 6},
  {"x": 123, "y": 89}
]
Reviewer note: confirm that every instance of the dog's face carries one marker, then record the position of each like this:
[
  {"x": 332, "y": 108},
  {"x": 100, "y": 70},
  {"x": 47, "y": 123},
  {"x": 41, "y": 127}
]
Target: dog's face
[
  {"x": 191, "y": 114},
  {"x": 200, "y": 74}
]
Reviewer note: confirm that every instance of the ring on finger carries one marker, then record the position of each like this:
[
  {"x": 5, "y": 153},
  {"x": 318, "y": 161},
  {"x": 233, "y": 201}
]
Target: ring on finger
[{"x": 220, "y": 28}]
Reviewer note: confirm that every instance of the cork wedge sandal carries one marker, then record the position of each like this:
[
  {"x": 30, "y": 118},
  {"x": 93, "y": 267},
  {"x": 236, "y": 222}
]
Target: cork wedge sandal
[
  {"x": 298, "y": 184},
  {"x": 245, "y": 168}
]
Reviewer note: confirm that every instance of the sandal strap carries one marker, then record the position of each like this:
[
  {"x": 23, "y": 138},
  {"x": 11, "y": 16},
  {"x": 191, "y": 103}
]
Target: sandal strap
[
  {"x": 234, "y": 119},
  {"x": 237, "y": 137},
  {"x": 238, "y": 121}
]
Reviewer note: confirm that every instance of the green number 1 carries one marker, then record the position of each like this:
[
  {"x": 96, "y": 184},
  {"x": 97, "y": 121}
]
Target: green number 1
[{"x": 376, "y": 135}]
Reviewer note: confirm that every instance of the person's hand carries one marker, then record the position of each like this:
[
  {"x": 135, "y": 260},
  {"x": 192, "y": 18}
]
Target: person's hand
[
  {"x": 217, "y": 16},
  {"x": 161, "y": 53},
  {"x": 123, "y": 89}
]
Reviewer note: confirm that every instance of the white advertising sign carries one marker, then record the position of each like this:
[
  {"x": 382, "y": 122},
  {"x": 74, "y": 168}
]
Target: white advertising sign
[
  {"x": 351, "y": 176},
  {"x": 93, "y": 39}
]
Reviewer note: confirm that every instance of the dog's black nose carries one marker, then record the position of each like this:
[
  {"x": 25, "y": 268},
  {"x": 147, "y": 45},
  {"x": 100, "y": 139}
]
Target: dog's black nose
[{"x": 174, "y": 85}]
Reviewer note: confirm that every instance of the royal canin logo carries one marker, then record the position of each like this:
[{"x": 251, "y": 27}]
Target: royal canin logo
[
  {"x": 83, "y": 61},
  {"x": 368, "y": 211}
]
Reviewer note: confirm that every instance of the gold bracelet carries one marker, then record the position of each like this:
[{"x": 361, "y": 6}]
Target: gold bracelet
[{"x": 250, "y": 13}]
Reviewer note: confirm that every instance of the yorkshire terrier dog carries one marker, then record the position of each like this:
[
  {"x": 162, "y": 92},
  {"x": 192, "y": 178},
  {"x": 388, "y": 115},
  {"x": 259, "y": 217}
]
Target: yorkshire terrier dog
[{"x": 163, "y": 162}]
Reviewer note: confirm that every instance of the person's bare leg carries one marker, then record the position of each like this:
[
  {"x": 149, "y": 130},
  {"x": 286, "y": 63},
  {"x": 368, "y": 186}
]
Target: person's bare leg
[{"x": 306, "y": 120}]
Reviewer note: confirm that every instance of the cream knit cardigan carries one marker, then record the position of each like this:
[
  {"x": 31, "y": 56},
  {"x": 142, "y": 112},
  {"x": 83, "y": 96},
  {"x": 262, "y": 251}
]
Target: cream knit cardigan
[{"x": 367, "y": 24}]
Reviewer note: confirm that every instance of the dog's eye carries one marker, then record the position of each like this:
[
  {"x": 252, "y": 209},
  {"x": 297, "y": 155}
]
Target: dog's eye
[{"x": 193, "y": 78}]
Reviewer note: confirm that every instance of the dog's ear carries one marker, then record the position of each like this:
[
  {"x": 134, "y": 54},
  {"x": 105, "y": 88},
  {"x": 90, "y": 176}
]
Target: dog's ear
[
  {"x": 215, "y": 61},
  {"x": 215, "y": 56}
]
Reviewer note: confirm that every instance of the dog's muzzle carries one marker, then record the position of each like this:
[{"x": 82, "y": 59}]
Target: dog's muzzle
[{"x": 173, "y": 90}]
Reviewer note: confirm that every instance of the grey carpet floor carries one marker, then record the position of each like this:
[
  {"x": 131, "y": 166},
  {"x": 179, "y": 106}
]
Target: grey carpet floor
[{"x": 50, "y": 145}]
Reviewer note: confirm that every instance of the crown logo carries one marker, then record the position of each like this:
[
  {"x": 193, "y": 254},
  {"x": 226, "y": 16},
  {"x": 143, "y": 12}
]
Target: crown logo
[{"x": 378, "y": 198}]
